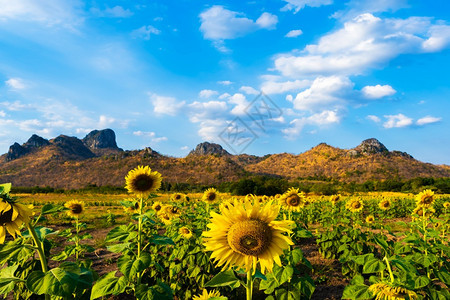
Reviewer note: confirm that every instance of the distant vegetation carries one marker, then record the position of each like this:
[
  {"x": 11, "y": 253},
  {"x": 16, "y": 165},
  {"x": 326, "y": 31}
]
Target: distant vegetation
[{"x": 269, "y": 185}]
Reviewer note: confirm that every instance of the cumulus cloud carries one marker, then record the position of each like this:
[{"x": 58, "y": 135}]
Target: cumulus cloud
[
  {"x": 145, "y": 32},
  {"x": 377, "y": 91},
  {"x": 374, "y": 118},
  {"x": 15, "y": 83},
  {"x": 363, "y": 43},
  {"x": 297, "y": 5},
  {"x": 207, "y": 93},
  {"x": 211, "y": 110},
  {"x": 240, "y": 104},
  {"x": 249, "y": 90},
  {"x": 150, "y": 135},
  {"x": 324, "y": 118},
  {"x": 163, "y": 105},
  {"x": 274, "y": 87},
  {"x": 294, "y": 33},
  {"x": 397, "y": 121},
  {"x": 324, "y": 93},
  {"x": 219, "y": 23},
  {"x": 112, "y": 12},
  {"x": 46, "y": 12},
  {"x": 225, "y": 82},
  {"x": 427, "y": 120}
]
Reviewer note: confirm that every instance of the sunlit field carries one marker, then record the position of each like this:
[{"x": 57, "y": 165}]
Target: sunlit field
[{"x": 211, "y": 245}]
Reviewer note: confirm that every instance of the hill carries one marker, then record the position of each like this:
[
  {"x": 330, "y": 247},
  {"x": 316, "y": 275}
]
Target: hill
[{"x": 69, "y": 162}]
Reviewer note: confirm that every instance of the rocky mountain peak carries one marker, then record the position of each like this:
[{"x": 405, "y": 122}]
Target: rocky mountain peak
[
  {"x": 207, "y": 148},
  {"x": 371, "y": 146},
  {"x": 100, "y": 139},
  {"x": 36, "y": 141},
  {"x": 72, "y": 147}
]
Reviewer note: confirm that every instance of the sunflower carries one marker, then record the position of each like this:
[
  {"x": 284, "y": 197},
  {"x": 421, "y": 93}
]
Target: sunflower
[
  {"x": 425, "y": 198},
  {"x": 389, "y": 291},
  {"x": 171, "y": 211},
  {"x": 226, "y": 204},
  {"x": 210, "y": 195},
  {"x": 141, "y": 181},
  {"x": 446, "y": 205},
  {"x": 354, "y": 205},
  {"x": 384, "y": 204},
  {"x": 157, "y": 206},
  {"x": 75, "y": 208},
  {"x": 205, "y": 295},
  {"x": 419, "y": 210},
  {"x": 178, "y": 197},
  {"x": 293, "y": 200},
  {"x": 185, "y": 232},
  {"x": 165, "y": 218},
  {"x": 132, "y": 206},
  {"x": 12, "y": 216},
  {"x": 370, "y": 219},
  {"x": 334, "y": 199},
  {"x": 247, "y": 233}
]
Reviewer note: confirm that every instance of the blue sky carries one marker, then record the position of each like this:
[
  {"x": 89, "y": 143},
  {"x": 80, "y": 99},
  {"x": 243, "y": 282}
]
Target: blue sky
[{"x": 171, "y": 74}]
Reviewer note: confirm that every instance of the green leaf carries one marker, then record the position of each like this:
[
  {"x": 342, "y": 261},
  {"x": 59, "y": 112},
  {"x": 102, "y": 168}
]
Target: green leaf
[
  {"x": 51, "y": 208},
  {"x": 122, "y": 233},
  {"x": 444, "y": 276},
  {"x": 381, "y": 242},
  {"x": 297, "y": 255},
  {"x": 358, "y": 279},
  {"x": 373, "y": 266},
  {"x": 421, "y": 281},
  {"x": 160, "y": 291},
  {"x": 161, "y": 240},
  {"x": 118, "y": 248},
  {"x": 5, "y": 188},
  {"x": 108, "y": 284},
  {"x": 286, "y": 275},
  {"x": 130, "y": 267},
  {"x": 356, "y": 292},
  {"x": 8, "y": 280},
  {"x": 226, "y": 278},
  {"x": 362, "y": 259}
]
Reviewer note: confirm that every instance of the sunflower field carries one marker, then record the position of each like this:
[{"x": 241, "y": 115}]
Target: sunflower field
[{"x": 215, "y": 246}]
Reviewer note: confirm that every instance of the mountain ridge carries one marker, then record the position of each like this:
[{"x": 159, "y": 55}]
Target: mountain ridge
[{"x": 69, "y": 162}]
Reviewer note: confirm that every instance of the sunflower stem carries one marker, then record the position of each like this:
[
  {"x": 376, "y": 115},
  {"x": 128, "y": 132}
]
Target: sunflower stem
[
  {"x": 141, "y": 201},
  {"x": 40, "y": 250},
  {"x": 77, "y": 238},
  {"x": 249, "y": 285},
  {"x": 391, "y": 275}
]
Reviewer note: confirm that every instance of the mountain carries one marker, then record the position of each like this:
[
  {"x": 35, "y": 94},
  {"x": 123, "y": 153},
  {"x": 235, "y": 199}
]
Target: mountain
[{"x": 69, "y": 162}]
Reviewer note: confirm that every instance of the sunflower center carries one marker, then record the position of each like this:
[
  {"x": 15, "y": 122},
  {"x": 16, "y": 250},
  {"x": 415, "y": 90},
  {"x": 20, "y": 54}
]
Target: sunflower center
[
  {"x": 427, "y": 199},
  {"x": 178, "y": 197},
  {"x": 76, "y": 208},
  {"x": 211, "y": 196},
  {"x": 158, "y": 207},
  {"x": 6, "y": 217},
  {"x": 356, "y": 205},
  {"x": 250, "y": 237},
  {"x": 143, "y": 183},
  {"x": 293, "y": 200}
]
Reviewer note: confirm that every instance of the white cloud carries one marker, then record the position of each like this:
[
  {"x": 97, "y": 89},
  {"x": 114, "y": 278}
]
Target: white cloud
[
  {"x": 184, "y": 148},
  {"x": 273, "y": 87},
  {"x": 427, "y": 120},
  {"x": 219, "y": 23},
  {"x": 374, "y": 118},
  {"x": 211, "y": 110},
  {"x": 294, "y": 33},
  {"x": 377, "y": 91},
  {"x": 207, "y": 93},
  {"x": 324, "y": 118},
  {"x": 357, "y": 7},
  {"x": 240, "y": 103},
  {"x": 364, "y": 42},
  {"x": 267, "y": 21},
  {"x": 15, "y": 106},
  {"x": 163, "y": 105},
  {"x": 15, "y": 83},
  {"x": 225, "y": 82},
  {"x": 397, "y": 121},
  {"x": 151, "y": 135},
  {"x": 47, "y": 12},
  {"x": 145, "y": 32},
  {"x": 2, "y": 113},
  {"x": 324, "y": 93},
  {"x": 249, "y": 90},
  {"x": 439, "y": 38},
  {"x": 211, "y": 129},
  {"x": 113, "y": 12},
  {"x": 297, "y": 5}
]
